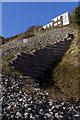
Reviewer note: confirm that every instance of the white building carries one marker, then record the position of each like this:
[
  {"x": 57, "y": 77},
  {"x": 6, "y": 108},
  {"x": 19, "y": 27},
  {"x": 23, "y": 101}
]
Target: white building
[
  {"x": 63, "y": 19},
  {"x": 47, "y": 25}
]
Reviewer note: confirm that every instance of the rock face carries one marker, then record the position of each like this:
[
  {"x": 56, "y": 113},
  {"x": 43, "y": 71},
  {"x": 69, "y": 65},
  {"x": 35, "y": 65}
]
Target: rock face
[{"x": 35, "y": 105}]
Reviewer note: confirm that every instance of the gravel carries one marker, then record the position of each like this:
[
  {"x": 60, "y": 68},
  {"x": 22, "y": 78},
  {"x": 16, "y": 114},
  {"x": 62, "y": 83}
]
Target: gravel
[{"x": 36, "y": 105}]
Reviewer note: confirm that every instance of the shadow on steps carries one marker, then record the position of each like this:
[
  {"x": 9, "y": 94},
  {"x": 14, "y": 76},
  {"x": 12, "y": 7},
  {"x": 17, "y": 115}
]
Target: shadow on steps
[{"x": 40, "y": 65}]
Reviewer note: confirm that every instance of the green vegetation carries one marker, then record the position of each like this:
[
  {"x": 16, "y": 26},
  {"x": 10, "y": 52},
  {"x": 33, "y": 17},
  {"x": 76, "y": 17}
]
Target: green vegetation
[
  {"x": 28, "y": 35},
  {"x": 34, "y": 29},
  {"x": 9, "y": 57},
  {"x": 66, "y": 78},
  {"x": 65, "y": 75},
  {"x": 31, "y": 31},
  {"x": 73, "y": 26},
  {"x": 10, "y": 38},
  {"x": 2, "y": 40},
  {"x": 15, "y": 73},
  {"x": 6, "y": 69},
  {"x": 27, "y": 89},
  {"x": 75, "y": 17}
]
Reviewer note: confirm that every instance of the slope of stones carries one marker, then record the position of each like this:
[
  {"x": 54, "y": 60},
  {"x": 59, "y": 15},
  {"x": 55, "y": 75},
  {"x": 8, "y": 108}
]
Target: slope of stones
[
  {"x": 40, "y": 40},
  {"x": 36, "y": 105}
]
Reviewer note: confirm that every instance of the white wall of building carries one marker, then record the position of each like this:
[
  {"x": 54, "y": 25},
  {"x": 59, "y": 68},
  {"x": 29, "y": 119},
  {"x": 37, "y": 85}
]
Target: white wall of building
[
  {"x": 65, "y": 20},
  {"x": 49, "y": 24}
]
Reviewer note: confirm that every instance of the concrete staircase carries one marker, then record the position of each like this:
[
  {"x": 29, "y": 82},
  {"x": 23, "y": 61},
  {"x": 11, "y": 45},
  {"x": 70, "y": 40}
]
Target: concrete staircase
[{"x": 38, "y": 64}]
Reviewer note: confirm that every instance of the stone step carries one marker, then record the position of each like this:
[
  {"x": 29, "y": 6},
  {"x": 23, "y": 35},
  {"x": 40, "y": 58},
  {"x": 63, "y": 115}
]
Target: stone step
[
  {"x": 48, "y": 53},
  {"x": 38, "y": 63},
  {"x": 32, "y": 65},
  {"x": 49, "y": 56},
  {"x": 35, "y": 64},
  {"x": 33, "y": 73},
  {"x": 42, "y": 70},
  {"x": 58, "y": 48},
  {"x": 28, "y": 68},
  {"x": 36, "y": 58},
  {"x": 63, "y": 42},
  {"x": 54, "y": 48},
  {"x": 37, "y": 73}
]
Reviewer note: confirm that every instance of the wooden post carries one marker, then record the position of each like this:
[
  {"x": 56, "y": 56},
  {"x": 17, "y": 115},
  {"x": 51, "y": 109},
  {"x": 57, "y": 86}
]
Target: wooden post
[
  {"x": 52, "y": 22},
  {"x": 57, "y": 21},
  {"x": 61, "y": 20}
]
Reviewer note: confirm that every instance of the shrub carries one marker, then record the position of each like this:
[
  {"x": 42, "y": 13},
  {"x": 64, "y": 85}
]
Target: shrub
[
  {"x": 34, "y": 29},
  {"x": 9, "y": 57},
  {"x": 75, "y": 17},
  {"x": 31, "y": 31},
  {"x": 28, "y": 35},
  {"x": 15, "y": 73},
  {"x": 5, "y": 68},
  {"x": 2, "y": 40}
]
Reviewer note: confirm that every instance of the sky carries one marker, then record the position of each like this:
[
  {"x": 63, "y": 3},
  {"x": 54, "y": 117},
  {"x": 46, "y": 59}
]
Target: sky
[{"x": 17, "y": 17}]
